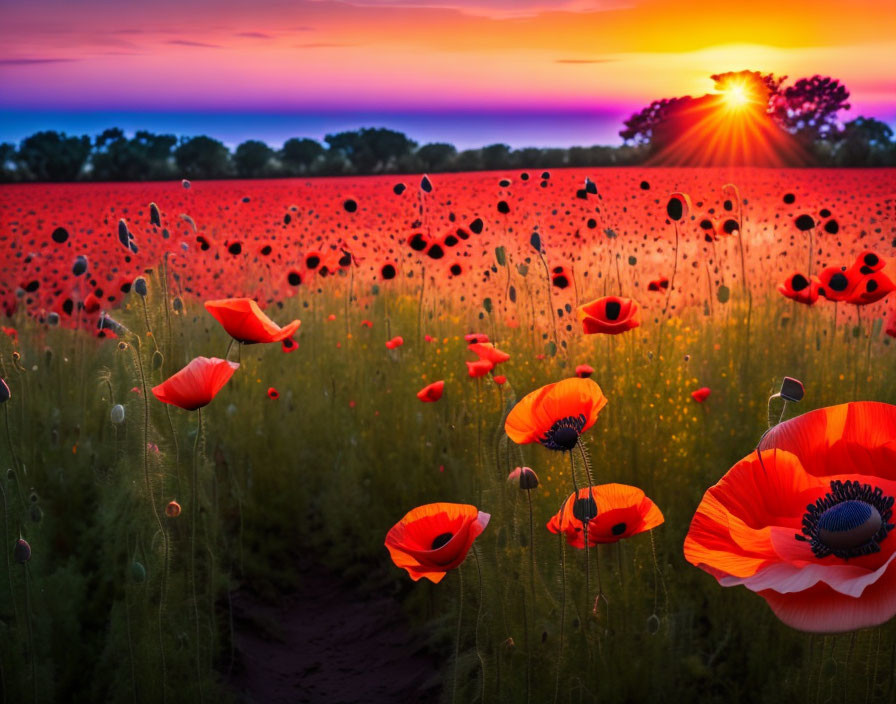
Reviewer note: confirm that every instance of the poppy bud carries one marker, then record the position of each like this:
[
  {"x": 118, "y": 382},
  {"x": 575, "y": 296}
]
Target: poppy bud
[
  {"x": 33, "y": 497},
  {"x": 535, "y": 241},
  {"x": 185, "y": 183},
  {"x": 53, "y": 319},
  {"x": 22, "y": 551},
  {"x": 117, "y": 414},
  {"x": 80, "y": 265},
  {"x": 527, "y": 479},
  {"x": 138, "y": 572},
  {"x": 155, "y": 217},
  {"x": 157, "y": 359},
  {"x": 37, "y": 514},
  {"x": 140, "y": 286},
  {"x": 792, "y": 389},
  {"x": 172, "y": 510},
  {"x": 177, "y": 304},
  {"x": 426, "y": 184},
  {"x": 4, "y": 392}
]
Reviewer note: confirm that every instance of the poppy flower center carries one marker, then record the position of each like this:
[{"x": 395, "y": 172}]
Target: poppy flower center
[
  {"x": 564, "y": 434},
  {"x": 441, "y": 539},
  {"x": 618, "y": 529},
  {"x": 850, "y": 520},
  {"x": 799, "y": 282},
  {"x": 613, "y": 310}
]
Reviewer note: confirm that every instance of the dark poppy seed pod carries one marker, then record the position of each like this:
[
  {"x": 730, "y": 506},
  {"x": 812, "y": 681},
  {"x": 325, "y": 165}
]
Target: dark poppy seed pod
[
  {"x": 185, "y": 183},
  {"x": 177, "y": 304},
  {"x": 53, "y": 319},
  {"x": 80, "y": 265},
  {"x": 37, "y": 515},
  {"x": 426, "y": 184},
  {"x": 116, "y": 415},
  {"x": 157, "y": 359},
  {"x": 155, "y": 217},
  {"x": 4, "y": 392},
  {"x": 140, "y": 286},
  {"x": 22, "y": 551},
  {"x": 138, "y": 572},
  {"x": 676, "y": 208},
  {"x": 527, "y": 479},
  {"x": 535, "y": 241},
  {"x": 33, "y": 497}
]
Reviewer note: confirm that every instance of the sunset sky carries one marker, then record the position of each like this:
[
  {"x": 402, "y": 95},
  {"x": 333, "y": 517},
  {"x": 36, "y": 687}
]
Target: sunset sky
[{"x": 472, "y": 72}]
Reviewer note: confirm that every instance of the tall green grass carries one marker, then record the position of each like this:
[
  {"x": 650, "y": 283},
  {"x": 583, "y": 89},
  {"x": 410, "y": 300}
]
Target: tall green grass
[{"x": 347, "y": 449}]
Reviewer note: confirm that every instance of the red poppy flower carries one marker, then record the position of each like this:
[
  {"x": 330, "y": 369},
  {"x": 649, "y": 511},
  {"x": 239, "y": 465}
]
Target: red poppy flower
[
  {"x": 432, "y": 392},
  {"x": 475, "y": 337},
  {"x": 807, "y": 525},
  {"x": 196, "y": 384},
  {"x": 396, "y": 341},
  {"x": 557, "y": 414},
  {"x": 10, "y": 332},
  {"x": 800, "y": 289},
  {"x": 480, "y": 367},
  {"x": 613, "y": 512},
  {"x": 837, "y": 284},
  {"x": 435, "y": 538},
  {"x": 868, "y": 262},
  {"x": 499, "y": 379},
  {"x": 244, "y": 321},
  {"x": 273, "y": 393},
  {"x": 289, "y": 345},
  {"x": 172, "y": 510},
  {"x": 486, "y": 350},
  {"x": 700, "y": 395},
  {"x": 366, "y": 324},
  {"x": 871, "y": 289},
  {"x": 583, "y": 371},
  {"x": 660, "y": 284},
  {"x": 610, "y": 315}
]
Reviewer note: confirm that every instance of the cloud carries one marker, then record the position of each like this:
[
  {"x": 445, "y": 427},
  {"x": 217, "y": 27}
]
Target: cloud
[
  {"x": 255, "y": 35},
  {"x": 187, "y": 42},
  {"x": 583, "y": 61},
  {"x": 495, "y": 9},
  {"x": 320, "y": 45},
  {"x": 32, "y": 62}
]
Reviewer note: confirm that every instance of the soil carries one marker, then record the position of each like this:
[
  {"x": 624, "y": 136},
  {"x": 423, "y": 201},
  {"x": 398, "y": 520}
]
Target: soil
[{"x": 328, "y": 643}]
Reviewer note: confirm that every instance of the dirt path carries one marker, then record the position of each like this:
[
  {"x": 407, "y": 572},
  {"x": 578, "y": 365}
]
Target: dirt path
[{"x": 328, "y": 644}]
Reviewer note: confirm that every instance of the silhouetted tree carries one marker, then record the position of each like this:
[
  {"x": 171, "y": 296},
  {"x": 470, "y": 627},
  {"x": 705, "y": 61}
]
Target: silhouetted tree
[
  {"x": 640, "y": 127},
  {"x": 865, "y": 142},
  {"x": 252, "y": 159},
  {"x": 202, "y": 157},
  {"x": 300, "y": 156},
  {"x": 436, "y": 156},
  {"x": 8, "y": 170},
  {"x": 809, "y": 107},
  {"x": 496, "y": 156},
  {"x": 371, "y": 149},
  {"x": 145, "y": 157},
  {"x": 51, "y": 156}
]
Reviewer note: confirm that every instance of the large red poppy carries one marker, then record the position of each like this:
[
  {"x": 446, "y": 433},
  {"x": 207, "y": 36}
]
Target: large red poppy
[
  {"x": 244, "y": 321},
  {"x": 837, "y": 283},
  {"x": 435, "y": 538},
  {"x": 432, "y": 392},
  {"x": 613, "y": 512},
  {"x": 557, "y": 414},
  {"x": 871, "y": 289},
  {"x": 610, "y": 315},
  {"x": 196, "y": 384},
  {"x": 807, "y": 524}
]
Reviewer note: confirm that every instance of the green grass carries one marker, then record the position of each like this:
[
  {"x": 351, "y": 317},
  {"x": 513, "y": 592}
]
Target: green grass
[{"x": 348, "y": 449}]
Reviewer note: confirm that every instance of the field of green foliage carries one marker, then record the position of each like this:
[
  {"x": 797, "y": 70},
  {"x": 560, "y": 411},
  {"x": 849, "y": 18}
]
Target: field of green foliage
[{"x": 121, "y": 602}]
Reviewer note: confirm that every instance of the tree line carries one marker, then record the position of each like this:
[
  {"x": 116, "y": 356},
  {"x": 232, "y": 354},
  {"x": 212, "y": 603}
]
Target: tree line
[
  {"x": 113, "y": 156},
  {"x": 808, "y": 110}
]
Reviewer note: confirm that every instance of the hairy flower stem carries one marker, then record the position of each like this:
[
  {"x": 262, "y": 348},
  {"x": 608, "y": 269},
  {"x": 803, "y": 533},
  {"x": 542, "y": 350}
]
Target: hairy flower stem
[
  {"x": 478, "y": 619},
  {"x": 155, "y": 511},
  {"x": 460, "y": 613},
  {"x": 193, "y": 512},
  {"x": 562, "y": 618}
]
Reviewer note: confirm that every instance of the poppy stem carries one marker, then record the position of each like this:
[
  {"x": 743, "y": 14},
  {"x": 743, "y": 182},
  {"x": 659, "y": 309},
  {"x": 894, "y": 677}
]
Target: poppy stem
[
  {"x": 530, "y": 643},
  {"x": 585, "y": 461},
  {"x": 12, "y": 593},
  {"x": 478, "y": 619},
  {"x": 562, "y": 617},
  {"x": 227, "y": 353},
  {"x": 460, "y": 613},
  {"x": 127, "y": 613},
  {"x": 138, "y": 348},
  {"x": 195, "y": 509},
  {"x": 31, "y": 654}
]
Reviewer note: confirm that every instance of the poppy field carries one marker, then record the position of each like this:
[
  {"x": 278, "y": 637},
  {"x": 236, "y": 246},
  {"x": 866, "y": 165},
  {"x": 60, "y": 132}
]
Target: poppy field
[{"x": 613, "y": 435}]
